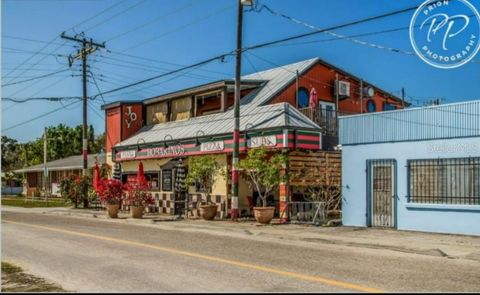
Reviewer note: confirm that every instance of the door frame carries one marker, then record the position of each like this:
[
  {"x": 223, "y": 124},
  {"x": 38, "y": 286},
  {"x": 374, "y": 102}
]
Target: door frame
[{"x": 369, "y": 196}]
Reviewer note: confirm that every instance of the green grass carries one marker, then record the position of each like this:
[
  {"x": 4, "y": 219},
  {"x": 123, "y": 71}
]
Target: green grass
[
  {"x": 15, "y": 280},
  {"x": 29, "y": 203}
]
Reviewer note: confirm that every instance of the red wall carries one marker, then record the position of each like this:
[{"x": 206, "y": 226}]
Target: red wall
[
  {"x": 323, "y": 78},
  {"x": 112, "y": 127}
]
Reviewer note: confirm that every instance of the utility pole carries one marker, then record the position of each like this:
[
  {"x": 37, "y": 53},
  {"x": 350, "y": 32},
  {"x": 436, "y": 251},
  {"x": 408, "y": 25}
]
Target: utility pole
[
  {"x": 88, "y": 47},
  {"x": 403, "y": 97},
  {"x": 337, "y": 85},
  {"x": 45, "y": 169},
  {"x": 361, "y": 96},
  {"x": 236, "y": 131},
  {"x": 296, "y": 89}
]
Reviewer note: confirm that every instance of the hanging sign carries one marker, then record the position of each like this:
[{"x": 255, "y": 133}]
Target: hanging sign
[
  {"x": 131, "y": 116},
  {"x": 259, "y": 141},
  {"x": 123, "y": 155},
  {"x": 212, "y": 146}
]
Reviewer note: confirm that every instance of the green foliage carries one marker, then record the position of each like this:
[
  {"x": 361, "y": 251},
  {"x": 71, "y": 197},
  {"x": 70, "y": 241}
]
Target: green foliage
[
  {"x": 29, "y": 203},
  {"x": 62, "y": 141},
  {"x": 262, "y": 172},
  {"x": 76, "y": 189},
  {"x": 203, "y": 170},
  {"x": 10, "y": 151}
]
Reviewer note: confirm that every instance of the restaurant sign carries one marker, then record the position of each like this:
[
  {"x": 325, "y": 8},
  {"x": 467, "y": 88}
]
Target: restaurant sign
[
  {"x": 174, "y": 150},
  {"x": 212, "y": 146},
  {"x": 124, "y": 155},
  {"x": 259, "y": 141}
]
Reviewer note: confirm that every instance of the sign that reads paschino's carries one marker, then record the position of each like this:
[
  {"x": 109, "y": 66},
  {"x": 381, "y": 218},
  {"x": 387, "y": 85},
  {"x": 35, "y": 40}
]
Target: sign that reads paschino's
[
  {"x": 174, "y": 150},
  {"x": 259, "y": 141},
  {"x": 212, "y": 146}
]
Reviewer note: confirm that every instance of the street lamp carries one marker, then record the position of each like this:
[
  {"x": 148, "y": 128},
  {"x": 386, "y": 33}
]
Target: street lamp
[{"x": 236, "y": 131}]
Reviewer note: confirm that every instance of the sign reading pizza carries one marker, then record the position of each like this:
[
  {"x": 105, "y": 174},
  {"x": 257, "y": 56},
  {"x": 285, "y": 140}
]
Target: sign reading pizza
[{"x": 212, "y": 146}]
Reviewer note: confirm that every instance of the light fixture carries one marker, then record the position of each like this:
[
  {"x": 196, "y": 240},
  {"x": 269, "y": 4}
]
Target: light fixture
[{"x": 246, "y": 2}]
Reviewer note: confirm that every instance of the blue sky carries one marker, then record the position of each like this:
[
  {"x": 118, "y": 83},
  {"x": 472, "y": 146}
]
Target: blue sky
[{"x": 168, "y": 33}]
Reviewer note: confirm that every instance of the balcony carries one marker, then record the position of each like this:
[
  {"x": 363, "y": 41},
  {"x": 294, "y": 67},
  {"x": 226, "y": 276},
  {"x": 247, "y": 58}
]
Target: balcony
[{"x": 327, "y": 120}]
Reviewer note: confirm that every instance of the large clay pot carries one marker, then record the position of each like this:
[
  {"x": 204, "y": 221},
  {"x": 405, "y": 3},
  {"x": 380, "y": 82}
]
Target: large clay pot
[
  {"x": 208, "y": 212},
  {"x": 112, "y": 210},
  {"x": 137, "y": 211},
  {"x": 263, "y": 215}
]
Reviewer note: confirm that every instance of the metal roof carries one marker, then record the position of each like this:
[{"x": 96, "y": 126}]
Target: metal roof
[
  {"x": 253, "y": 113},
  {"x": 264, "y": 117},
  {"x": 413, "y": 124},
  {"x": 69, "y": 163}
]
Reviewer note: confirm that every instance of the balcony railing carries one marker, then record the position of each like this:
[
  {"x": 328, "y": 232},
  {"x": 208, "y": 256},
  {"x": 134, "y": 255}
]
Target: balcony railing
[{"x": 326, "y": 119}]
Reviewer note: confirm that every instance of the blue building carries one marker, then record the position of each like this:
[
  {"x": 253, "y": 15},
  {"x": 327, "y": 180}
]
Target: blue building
[{"x": 413, "y": 169}]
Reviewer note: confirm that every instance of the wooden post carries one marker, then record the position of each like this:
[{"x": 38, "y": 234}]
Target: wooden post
[{"x": 284, "y": 195}]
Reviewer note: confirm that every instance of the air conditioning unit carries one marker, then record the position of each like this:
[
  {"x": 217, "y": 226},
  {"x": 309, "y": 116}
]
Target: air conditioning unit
[{"x": 343, "y": 88}]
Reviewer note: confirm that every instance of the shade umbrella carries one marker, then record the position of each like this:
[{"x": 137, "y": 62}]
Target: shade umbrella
[
  {"x": 141, "y": 179},
  {"x": 117, "y": 172},
  {"x": 313, "y": 99},
  {"x": 180, "y": 185}
]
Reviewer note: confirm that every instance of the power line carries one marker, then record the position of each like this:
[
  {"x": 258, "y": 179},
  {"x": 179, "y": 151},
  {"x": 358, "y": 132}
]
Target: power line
[
  {"x": 31, "y": 40},
  {"x": 60, "y": 44},
  {"x": 368, "y": 19},
  {"x": 18, "y": 100},
  {"x": 35, "y": 78},
  {"x": 179, "y": 28},
  {"x": 38, "y": 117},
  {"x": 115, "y": 15},
  {"x": 218, "y": 57},
  {"x": 152, "y": 21},
  {"x": 222, "y": 56},
  {"x": 22, "y": 51}
]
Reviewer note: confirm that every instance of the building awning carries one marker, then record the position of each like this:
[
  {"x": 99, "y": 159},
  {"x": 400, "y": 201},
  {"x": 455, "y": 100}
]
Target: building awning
[
  {"x": 69, "y": 163},
  {"x": 281, "y": 115}
]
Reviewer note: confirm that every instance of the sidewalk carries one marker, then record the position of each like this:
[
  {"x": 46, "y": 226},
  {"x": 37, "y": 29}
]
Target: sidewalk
[{"x": 431, "y": 244}]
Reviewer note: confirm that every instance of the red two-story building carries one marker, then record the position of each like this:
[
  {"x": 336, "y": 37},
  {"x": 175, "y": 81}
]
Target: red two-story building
[{"x": 275, "y": 112}]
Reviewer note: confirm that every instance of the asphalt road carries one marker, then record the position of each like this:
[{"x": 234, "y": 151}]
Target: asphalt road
[{"x": 87, "y": 256}]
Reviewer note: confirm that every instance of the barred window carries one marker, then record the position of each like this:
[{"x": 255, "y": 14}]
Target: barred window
[{"x": 445, "y": 181}]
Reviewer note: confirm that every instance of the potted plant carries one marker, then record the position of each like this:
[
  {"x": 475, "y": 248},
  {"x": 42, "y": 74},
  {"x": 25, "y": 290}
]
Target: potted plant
[
  {"x": 203, "y": 171},
  {"x": 138, "y": 197},
  {"x": 110, "y": 194},
  {"x": 262, "y": 173}
]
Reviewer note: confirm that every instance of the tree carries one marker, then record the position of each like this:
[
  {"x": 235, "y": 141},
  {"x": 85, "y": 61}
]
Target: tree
[
  {"x": 63, "y": 141},
  {"x": 203, "y": 170},
  {"x": 10, "y": 152},
  {"x": 262, "y": 172}
]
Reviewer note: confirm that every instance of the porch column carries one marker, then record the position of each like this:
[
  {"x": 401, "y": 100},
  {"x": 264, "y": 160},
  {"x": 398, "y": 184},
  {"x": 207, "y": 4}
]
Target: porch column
[{"x": 284, "y": 195}]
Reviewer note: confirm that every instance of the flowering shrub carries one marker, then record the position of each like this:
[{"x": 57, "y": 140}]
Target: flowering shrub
[
  {"x": 110, "y": 191},
  {"x": 138, "y": 195},
  {"x": 75, "y": 189}
]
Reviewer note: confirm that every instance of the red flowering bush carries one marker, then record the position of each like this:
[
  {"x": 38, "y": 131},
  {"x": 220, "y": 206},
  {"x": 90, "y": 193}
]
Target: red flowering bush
[
  {"x": 75, "y": 189},
  {"x": 138, "y": 195},
  {"x": 110, "y": 191}
]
